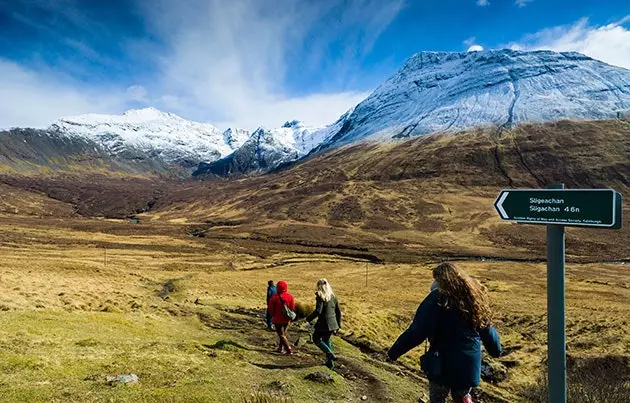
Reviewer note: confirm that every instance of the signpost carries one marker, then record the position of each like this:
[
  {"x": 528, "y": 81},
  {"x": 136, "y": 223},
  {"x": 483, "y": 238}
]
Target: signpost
[
  {"x": 571, "y": 207},
  {"x": 558, "y": 207}
]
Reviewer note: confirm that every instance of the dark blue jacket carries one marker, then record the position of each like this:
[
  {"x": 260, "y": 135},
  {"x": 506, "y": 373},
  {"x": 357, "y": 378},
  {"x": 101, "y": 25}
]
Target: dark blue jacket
[
  {"x": 271, "y": 291},
  {"x": 457, "y": 342}
]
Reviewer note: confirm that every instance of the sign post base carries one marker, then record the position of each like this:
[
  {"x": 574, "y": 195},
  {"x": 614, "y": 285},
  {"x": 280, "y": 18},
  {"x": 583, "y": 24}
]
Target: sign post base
[{"x": 556, "y": 330}]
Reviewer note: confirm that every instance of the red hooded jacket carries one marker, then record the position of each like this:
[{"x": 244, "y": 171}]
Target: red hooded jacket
[{"x": 275, "y": 305}]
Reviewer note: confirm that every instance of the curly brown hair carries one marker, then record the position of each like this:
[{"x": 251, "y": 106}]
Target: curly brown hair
[{"x": 464, "y": 293}]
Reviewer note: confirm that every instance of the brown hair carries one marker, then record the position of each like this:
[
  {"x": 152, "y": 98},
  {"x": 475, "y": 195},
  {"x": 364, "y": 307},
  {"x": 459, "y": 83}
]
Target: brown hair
[{"x": 464, "y": 293}]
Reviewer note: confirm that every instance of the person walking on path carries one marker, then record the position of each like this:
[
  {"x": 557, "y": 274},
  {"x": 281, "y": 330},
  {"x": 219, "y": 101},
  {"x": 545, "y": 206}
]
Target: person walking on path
[
  {"x": 455, "y": 319},
  {"x": 271, "y": 291},
  {"x": 279, "y": 318},
  {"x": 328, "y": 317}
]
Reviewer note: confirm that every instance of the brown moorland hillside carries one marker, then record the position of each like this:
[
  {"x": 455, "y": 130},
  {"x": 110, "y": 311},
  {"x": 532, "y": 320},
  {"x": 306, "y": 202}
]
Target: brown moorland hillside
[
  {"x": 430, "y": 195},
  {"x": 177, "y": 297}
]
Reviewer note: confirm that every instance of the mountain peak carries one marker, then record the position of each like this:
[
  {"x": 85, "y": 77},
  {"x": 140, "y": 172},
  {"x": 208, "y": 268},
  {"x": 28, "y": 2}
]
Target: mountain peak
[
  {"x": 292, "y": 123},
  {"x": 495, "y": 56},
  {"x": 453, "y": 91},
  {"x": 160, "y": 134},
  {"x": 149, "y": 113}
]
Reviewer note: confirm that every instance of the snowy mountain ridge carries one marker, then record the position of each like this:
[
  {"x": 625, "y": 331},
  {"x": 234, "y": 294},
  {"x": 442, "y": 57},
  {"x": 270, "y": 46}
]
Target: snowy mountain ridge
[
  {"x": 175, "y": 139},
  {"x": 157, "y": 133},
  {"x": 433, "y": 92},
  {"x": 267, "y": 149},
  {"x": 447, "y": 92}
]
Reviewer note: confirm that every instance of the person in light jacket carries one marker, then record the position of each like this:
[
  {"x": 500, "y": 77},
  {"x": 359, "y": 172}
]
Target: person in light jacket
[
  {"x": 328, "y": 317},
  {"x": 455, "y": 318}
]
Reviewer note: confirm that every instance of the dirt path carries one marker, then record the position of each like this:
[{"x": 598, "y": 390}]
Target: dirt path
[
  {"x": 361, "y": 381},
  {"x": 357, "y": 373}
]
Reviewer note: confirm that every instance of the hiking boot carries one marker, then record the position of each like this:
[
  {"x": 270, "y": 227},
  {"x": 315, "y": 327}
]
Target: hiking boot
[
  {"x": 290, "y": 352},
  {"x": 330, "y": 364}
]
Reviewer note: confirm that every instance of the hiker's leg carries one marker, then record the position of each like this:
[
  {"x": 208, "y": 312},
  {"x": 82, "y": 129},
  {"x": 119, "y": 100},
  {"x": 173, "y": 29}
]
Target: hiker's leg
[
  {"x": 326, "y": 340},
  {"x": 268, "y": 318},
  {"x": 437, "y": 393},
  {"x": 318, "y": 340},
  {"x": 279, "y": 333},
  {"x": 328, "y": 343},
  {"x": 461, "y": 395},
  {"x": 284, "y": 340}
]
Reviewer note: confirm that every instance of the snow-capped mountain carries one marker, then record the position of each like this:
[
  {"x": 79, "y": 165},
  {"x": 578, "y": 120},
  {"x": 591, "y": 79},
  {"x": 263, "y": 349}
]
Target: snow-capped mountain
[
  {"x": 235, "y": 138},
  {"x": 267, "y": 149},
  {"x": 438, "y": 92},
  {"x": 155, "y": 133},
  {"x": 433, "y": 92}
]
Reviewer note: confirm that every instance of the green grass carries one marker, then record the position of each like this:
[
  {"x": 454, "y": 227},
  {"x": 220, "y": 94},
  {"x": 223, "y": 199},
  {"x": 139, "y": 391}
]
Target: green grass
[
  {"x": 67, "y": 321},
  {"x": 55, "y": 356}
]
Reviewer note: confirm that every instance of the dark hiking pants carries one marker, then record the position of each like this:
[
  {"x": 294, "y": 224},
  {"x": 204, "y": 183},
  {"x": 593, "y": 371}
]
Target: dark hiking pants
[
  {"x": 322, "y": 340},
  {"x": 439, "y": 393}
]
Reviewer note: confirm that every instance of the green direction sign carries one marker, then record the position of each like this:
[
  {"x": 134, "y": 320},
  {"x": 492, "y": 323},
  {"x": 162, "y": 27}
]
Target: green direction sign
[{"x": 571, "y": 207}]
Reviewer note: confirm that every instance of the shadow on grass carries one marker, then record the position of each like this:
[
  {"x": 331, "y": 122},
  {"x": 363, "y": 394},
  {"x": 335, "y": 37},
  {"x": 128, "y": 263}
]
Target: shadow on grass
[
  {"x": 286, "y": 366},
  {"x": 231, "y": 345}
]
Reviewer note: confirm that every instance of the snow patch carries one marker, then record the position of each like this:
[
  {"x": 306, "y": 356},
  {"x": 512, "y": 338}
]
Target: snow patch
[
  {"x": 158, "y": 133},
  {"x": 441, "y": 91}
]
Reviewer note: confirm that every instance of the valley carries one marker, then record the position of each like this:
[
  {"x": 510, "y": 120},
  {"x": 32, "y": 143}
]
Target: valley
[{"x": 111, "y": 272}]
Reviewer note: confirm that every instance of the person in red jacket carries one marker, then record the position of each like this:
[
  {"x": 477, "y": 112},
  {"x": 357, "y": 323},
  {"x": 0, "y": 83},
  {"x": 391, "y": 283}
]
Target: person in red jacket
[{"x": 279, "y": 320}]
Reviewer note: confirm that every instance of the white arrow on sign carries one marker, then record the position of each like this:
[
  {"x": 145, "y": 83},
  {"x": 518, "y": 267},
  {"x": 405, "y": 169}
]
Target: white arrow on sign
[{"x": 499, "y": 205}]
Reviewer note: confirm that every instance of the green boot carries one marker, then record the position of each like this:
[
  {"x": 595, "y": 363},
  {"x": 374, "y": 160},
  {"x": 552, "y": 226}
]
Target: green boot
[
  {"x": 329, "y": 345},
  {"x": 324, "y": 347},
  {"x": 330, "y": 363}
]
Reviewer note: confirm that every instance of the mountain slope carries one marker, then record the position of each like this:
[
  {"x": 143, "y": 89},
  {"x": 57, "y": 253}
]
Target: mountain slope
[
  {"x": 267, "y": 149},
  {"x": 433, "y": 192},
  {"x": 438, "y": 92},
  {"x": 32, "y": 151},
  {"x": 157, "y": 134}
]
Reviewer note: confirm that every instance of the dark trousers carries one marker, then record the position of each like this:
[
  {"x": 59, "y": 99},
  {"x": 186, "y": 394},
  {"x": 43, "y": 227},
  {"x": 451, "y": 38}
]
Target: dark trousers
[
  {"x": 268, "y": 317},
  {"x": 321, "y": 338},
  {"x": 439, "y": 393},
  {"x": 281, "y": 330}
]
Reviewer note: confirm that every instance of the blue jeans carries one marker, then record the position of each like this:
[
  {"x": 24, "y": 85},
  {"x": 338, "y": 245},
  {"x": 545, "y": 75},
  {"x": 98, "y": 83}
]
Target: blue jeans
[{"x": 268, "y": 319}]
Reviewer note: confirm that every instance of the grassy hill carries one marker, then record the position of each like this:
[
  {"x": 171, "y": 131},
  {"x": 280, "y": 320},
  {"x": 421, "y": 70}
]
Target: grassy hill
[{"x": 178, "y": 298}]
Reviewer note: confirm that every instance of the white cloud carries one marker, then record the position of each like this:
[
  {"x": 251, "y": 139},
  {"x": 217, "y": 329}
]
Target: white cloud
[
  {"x": 35, "y": 99},
  {"x": 483, "y": 3},
  {"x": 217, "y": 61},
  {"x": 609, "y": 43},
  {"x": 470, "y": 41},
  {"x": 472, "y": 45},
  {"x": 138, "y": 93},
  {"x": 319, "y": 108},
  {"x": 522, "y": 3},
  {"x": 475, "y": 48},
  {"x": 229, "y": 60}
]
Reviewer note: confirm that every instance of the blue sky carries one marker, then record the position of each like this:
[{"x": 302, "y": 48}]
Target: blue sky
[{"x": 254, "y": 62}]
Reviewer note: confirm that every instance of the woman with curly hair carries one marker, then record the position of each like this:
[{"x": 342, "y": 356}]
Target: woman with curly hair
[{"x": 455, "y": 319}]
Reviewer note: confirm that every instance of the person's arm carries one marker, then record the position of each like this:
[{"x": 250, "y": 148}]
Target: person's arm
[
  {"x": 338, "y": 313},
  {"x": 319, "y": 307},
  {"x": 491, "y": 341},
  {"x": 421, "y": 328}
]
